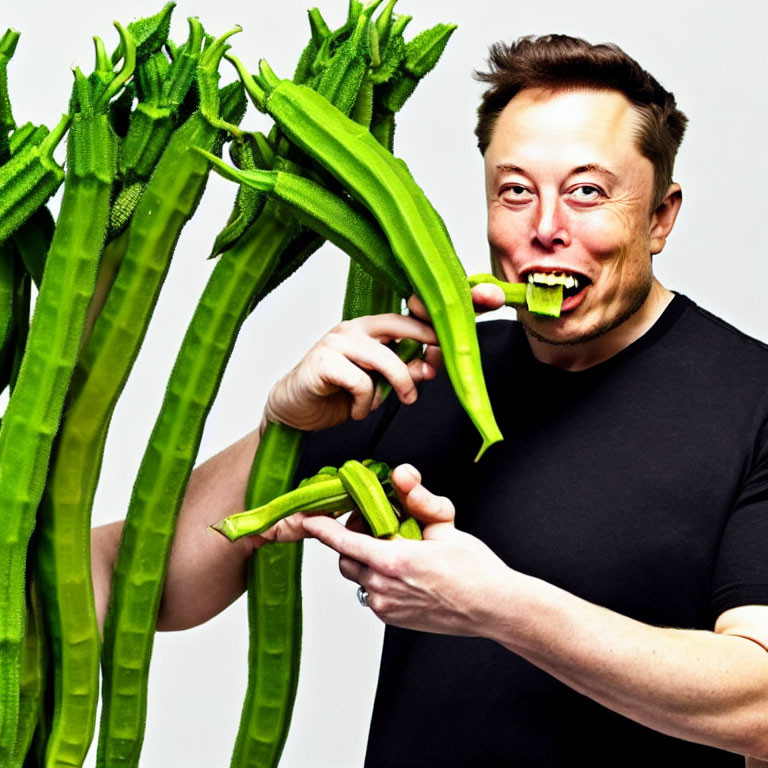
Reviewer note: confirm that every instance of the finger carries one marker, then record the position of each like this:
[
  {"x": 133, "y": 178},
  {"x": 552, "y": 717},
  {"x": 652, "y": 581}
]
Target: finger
[
  {"x": 434, "y": 356},
  {"x": 351, "y": 378},
  {"x": 358, "y": 546},
  {"x": 419, "y": 502},
  {"x": 426, "y": 368},
  {"x": 356, "y": 522},
  {"x": 486, "y": 297},
  {"x": 351, "y": 569},
  {"x": 289, "y": 529},
  {"x": 417, "y": 307},
  {"x": 370, "y": 355},
  {"x": 390, "y": 326}
]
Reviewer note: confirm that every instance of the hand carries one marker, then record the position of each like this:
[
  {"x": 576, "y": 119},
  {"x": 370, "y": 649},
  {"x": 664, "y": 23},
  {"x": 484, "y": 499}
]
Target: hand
[
  {"x": 449, "y": 583},
  {"x": 333, "y": 381},
  {"x": 286, "y": 531}
]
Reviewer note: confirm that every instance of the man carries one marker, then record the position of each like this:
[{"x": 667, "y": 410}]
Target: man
[{"x": 594, "y": 591}]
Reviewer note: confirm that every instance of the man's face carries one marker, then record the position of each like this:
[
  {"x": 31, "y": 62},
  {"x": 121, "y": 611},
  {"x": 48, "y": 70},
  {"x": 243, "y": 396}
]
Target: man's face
[{"x": 569, "y": 194}]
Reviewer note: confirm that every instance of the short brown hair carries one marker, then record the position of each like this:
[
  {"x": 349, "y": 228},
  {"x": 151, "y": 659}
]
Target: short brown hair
[{"x": 564, "y": 62}]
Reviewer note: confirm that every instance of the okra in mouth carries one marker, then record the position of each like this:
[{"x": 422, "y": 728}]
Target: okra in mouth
[{"x": 539, "y": 297}]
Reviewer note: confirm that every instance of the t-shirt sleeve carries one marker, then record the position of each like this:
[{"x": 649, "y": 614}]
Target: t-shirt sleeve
[{"x": 741, "y": 567}]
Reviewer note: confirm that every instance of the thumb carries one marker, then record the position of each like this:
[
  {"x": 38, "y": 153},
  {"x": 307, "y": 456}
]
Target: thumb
[
  {"x": 428, "y": 508},
  {"x": 486, "y": 297}
]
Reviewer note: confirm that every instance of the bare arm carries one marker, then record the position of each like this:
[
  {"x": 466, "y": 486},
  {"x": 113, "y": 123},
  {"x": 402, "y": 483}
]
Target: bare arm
[
  {"x": 706, "y": 687},
  {"x": 206, "y": 573}
]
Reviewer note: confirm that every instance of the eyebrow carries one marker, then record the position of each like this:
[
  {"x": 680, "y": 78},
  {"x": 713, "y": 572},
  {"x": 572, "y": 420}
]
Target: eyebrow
[
  {"x": 595, "y": 167},
  {"x": 588, "y": 168}
]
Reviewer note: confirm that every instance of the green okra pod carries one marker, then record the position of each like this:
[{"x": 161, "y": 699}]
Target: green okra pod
[
  {"x": 409, "y": 529},
  {"x": 318, "y": 28},
  {"x": 322, "y": 493},
  {"x": 165, "y": 468},
  {"x": 152, "y": 122},
  {"x": 415, "y": 231},
  {"x": 514, "y": 293},
  {"x": 274, "y": 612},
  {"x": 252, "y": 153},
  {"x": 106, "y": 359},
  {"x": 330, "y": 216},
  {"x": 26, "y": 134},
  {"x": 23, "y": 257},
  {"x": 32, "y": 416},
  {"x": 369, "y": 496},
  {"x": 7, "y": 48},
  {"x": 28, "y": 179},
  {"x": 148, "y": 35},
  {"x": 32, "y": 675},
  {"x": 421, "y": 55},
  {"x": 32, "y": 240},
  {"x": 12, "y": 352},
  {"x": 544, "y": 299},
  {"x": 302, "y": 247},
  {"x": 7, "y": 258},
  {"x": 341, "y": 80},
  {"x": 367, "y": 294}
]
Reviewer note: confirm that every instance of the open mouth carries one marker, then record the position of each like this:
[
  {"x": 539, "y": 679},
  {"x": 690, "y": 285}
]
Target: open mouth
[{"x": 573, "y": 282}]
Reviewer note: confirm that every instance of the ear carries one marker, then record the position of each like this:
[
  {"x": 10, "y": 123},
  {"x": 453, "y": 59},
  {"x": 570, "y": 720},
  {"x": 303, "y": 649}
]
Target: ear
[{"x": 663, "y": 218}]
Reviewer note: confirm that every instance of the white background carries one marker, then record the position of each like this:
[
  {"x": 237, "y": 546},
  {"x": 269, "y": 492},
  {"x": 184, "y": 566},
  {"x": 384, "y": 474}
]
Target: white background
[{"x": 712, "y": 56}]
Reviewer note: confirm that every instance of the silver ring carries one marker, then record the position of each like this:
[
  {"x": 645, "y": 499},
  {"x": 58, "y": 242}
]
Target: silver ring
[{"x": 362, "y": 596}]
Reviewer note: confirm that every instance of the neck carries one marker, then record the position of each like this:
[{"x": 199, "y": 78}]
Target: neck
[{"x": 577, "y": 357}]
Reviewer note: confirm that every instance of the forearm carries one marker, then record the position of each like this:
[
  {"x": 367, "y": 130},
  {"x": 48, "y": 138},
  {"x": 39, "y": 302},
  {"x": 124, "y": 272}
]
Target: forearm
[
  {"x": 206, "y": 573},
  {"x": 695, "y": 685}
]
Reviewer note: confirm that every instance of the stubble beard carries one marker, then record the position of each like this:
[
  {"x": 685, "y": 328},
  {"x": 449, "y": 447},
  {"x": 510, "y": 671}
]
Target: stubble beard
[{"x": 635, "y": 301}]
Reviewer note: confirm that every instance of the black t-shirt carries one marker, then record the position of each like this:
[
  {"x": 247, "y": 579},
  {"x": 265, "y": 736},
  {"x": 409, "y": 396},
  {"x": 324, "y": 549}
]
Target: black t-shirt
[{"x": 640, "y": 484}]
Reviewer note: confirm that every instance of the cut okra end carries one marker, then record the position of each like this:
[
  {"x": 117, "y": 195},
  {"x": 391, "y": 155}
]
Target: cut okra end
[
  {"x": 544, "y": 299},
  {"x": 539, "y": 299},
  {"x": 224, "y": 527},
  {"x": 409, "y": 529}
]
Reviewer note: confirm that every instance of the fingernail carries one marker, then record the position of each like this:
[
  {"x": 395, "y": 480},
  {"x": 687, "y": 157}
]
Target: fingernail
[{"x": 411, "y": 470}]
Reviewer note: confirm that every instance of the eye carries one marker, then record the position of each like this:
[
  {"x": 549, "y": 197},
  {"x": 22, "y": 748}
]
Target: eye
[
  {"x": 586, "y": 193},
  {"x": 515, "y": 193}
]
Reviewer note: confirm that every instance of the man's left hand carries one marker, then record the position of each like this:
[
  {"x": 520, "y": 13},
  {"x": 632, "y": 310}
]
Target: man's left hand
[{"x": 448, "y": 583}]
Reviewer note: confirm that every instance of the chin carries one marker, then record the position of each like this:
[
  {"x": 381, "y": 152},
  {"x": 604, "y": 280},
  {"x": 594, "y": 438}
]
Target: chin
[{"x": 562, "y": 336}]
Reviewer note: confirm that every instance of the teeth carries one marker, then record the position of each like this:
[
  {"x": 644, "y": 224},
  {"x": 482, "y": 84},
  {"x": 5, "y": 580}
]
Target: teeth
[{"x": 553, "y": 278}]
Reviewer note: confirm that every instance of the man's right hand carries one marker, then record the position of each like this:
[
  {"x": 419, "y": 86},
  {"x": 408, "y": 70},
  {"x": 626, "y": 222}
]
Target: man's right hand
[{"x": 333, "y": 382}]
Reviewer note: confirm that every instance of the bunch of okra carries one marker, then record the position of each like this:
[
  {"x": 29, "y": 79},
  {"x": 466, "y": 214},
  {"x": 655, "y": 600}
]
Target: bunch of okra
[{"x": 142, "y": 131}]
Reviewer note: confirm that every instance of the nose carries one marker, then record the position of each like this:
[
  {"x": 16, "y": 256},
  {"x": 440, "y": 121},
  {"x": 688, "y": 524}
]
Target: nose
[{"x": 551, "y": 224}]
